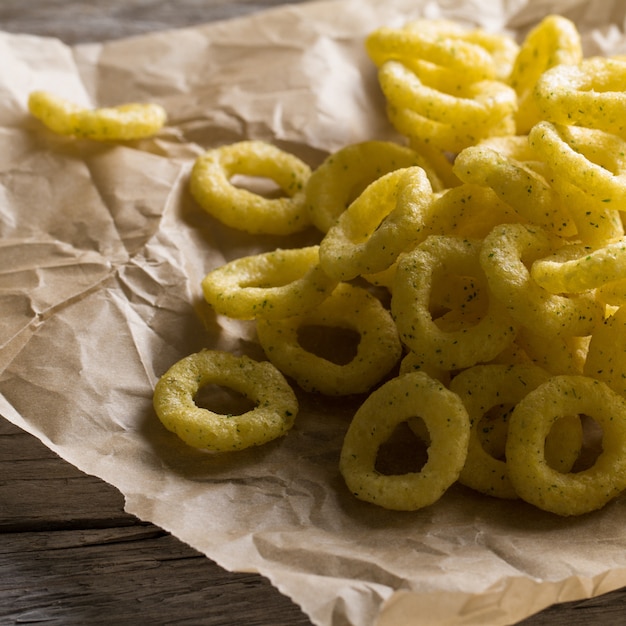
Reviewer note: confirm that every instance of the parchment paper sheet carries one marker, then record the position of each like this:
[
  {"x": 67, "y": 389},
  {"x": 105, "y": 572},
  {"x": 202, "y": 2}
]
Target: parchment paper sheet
[{"x": 101, "y": 256}]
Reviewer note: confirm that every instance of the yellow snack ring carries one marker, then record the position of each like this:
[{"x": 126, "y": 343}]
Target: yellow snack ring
[
  {"x": 591, "y": 94},
  {"x": 383, "y": 221},
  {"x": 573, "y": 493},
  {"x": 271, "y": 284},
  {"x": 588, "y": 170},
  {"x": 212, "y": 187},
  {"x": 260, "y": 382},
  {"x": 554, "y": 41},
  {"x": 449, "y": 121},
  {"x": 468, "y": 211},
  {"x": 469, "y": 59},
  {"x": 346, "y": 173},
  {"x": 579, "y": 268},
  {"x": 516, "y": 184},
  {"x": 612, "y": 294},
  {"x": 471, "y": 341},
  {"x": 413, "y": 363},
  {"x": 480, "y": 104},
  {"x": 554, "y": 353},
  {"x": 483, "y": 387},
  {"x": 591, "y": 159},
  {"x": 501, "y": 47},
  {"x": 606, "y": 357},
  {"x": 417, "y": 127},
  {"x": 503, "y": 255},
  {"x": 397, "y": 401},
  {"x": 120, "y": 123},
  {"x": 349, "y": 307}
]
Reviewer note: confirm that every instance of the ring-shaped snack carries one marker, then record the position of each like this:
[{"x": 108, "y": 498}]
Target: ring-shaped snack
[
  {"x": 556, "y": 354},
  {"x": 516, "y": 184},
  {"x": 552, "y": 42},
  {"x": 272, "y": 284},
  {"x": 411, "y": 362},
  {"x": 593, "y": 160},
  {"x": 346, "y": 173},
  {"x": 448, "y": 137},
  {"x": 481, "y": 389},
  {"x": 606, "y": 356},
  {"x": 383, "y": 221},
  {"x": 471, "y": 60},
  {"x": 502, "y": 48},
  {"x": 348, "y": 307},
  {"x": 612, "y": 294},
  {"x": 588, "y": 170},
  {"x": 591, "y": 94},
  {"x": 260, "y": 382},
  {"x": 577, "y": 268},
  {"x": 124, "y": 122},
  {"x": 450, "y": 121},
  {"x": 502, "y": 257},
  {"x": 467, "y": 211},
  {"x": 475, "y": 341},
  {"x": 482, "y": 104},
  {"x": 399, "y": 400},
  {"x": 211, "y": 184},
  {"x": 571, "y": 493}
]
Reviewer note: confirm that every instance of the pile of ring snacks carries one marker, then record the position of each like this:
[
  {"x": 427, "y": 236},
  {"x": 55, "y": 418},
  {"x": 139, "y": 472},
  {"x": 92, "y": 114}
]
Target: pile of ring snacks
[{"x": 496, "y": 231}]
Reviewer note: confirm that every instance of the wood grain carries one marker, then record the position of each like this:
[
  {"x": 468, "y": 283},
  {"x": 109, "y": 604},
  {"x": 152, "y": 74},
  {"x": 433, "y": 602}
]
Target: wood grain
[{"x": 69, "y": 553}]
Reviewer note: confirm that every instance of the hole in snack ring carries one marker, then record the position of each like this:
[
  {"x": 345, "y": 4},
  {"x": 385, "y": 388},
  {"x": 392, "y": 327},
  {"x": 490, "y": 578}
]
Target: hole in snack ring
[
  {"x": 333, "y": 343},
  {"x": 591, "y": 445},
  {"x": 260, "y": 185},
  {"x": 569, "y": 493},
  {"x": 403, "y": 452},
  {"x": 223, "y": 400},
  {"x": 273, "y": 414}
]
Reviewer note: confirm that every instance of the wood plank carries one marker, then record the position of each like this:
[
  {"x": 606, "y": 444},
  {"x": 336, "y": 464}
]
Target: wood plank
[
  {"x": 128, "y": 576},
  {"x": 606, "y": 610},
  {"x": 38, "y": 490}
]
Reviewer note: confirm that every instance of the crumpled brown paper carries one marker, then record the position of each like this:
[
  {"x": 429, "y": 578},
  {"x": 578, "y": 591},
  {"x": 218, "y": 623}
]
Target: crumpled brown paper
[{"x": 101, "y": 255}]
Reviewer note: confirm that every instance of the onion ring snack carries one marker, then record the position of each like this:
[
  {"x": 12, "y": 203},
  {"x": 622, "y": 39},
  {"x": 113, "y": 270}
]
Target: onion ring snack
[
  {"x": 556, "y": 354},
  {"x": 579, "y": 268},
  {"x": 467, "y": 211},
  {"x": 383, "y": 221},
  {"x": 502, "y": 48},
  {"x": 572, "y": 493},
  {"x": 502, "y": 257},
  {"x": 124, "y": 122},
  {"x": 346, "y": 173},
  {"x": 589, "y": 169},
  {"x": 348, "y": 307},
  {"x": 552, "y": 42},
  {"x": 212, "y": 187},
  {"x": 516, "y": 184},
  {"x": 468, "y": 59},
  {"x": 590, "y": 94},
  {"x": 471, "y": 342},
  {"x": 274, "y": 413},
  {"x": 606, "y": 357},
  {"x": 271, "y": 284},
  {"x": 483, "y": 387},
  {"x": 397, "y": 401},
  {"x": 450, "y": 121}
]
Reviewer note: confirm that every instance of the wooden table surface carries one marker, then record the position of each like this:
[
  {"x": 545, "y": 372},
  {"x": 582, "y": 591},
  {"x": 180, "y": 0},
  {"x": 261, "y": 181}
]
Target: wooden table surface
[{"x": 69, "y": 554}]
